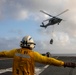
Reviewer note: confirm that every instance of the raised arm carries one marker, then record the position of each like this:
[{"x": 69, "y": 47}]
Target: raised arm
[
  {"x": 8, "y": 53},
  {"x": 47, "y": 60},
  {"x": 52, "y": 61}
]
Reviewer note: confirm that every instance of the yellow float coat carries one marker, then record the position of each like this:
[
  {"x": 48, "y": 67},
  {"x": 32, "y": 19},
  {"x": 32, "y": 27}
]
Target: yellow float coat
[{"x": 24, "y": 60}]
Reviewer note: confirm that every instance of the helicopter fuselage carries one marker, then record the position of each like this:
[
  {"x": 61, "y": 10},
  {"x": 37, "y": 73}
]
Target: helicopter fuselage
[{"x": 54, "y": 20}]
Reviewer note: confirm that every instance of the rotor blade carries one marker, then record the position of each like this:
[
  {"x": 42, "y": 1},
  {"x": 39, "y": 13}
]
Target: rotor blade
[
  {"x": 63, "y": 20},
  {"x": 63, "y": 12},
  {"x": 46, "y": 20},
  {"x": 46, "y": 13}
]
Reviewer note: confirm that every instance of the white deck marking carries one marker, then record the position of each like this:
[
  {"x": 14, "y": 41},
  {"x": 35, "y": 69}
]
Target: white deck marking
[
  {"x": 5, "y": 70},
  {"x": 37, "y": 70}
]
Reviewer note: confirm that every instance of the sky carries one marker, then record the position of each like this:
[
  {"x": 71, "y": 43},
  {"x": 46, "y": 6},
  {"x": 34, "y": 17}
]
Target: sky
[{"x": 19, "y": 18}]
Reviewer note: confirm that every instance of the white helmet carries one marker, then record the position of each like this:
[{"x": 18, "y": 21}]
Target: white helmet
[{"x": 27, "y": 42}]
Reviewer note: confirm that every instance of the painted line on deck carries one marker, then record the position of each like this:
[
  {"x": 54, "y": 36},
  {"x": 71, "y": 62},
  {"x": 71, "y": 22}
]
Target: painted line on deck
[
  {"x": 37, "y": 70},
  {"x": 5, "y": 70}
]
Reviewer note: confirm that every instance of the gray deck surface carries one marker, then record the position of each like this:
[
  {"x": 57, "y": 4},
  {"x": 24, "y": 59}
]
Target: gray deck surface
[{"x": 50, "y": 70}]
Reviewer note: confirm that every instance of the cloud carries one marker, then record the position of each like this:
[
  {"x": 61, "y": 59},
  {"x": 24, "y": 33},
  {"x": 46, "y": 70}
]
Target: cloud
[
  {"x": 21, "y": 8},
  {"x": 12, "y": 9},
  {"x": 64, "y": 34},
  {"x": 21, "y": 15},
  {"x": 41, "y": 46},
  {"x": 62, "y": 38},
  {"x": 58, "y": 47},
  {"x": 8, "y": 44}
]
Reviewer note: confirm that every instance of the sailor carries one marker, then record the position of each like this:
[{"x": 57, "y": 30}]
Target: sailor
[{"x": 25, "y": 58}]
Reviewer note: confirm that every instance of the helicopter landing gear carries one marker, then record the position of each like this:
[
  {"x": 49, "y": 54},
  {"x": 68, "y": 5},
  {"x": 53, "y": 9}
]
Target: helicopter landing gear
[{"x": 42, "y": 23}]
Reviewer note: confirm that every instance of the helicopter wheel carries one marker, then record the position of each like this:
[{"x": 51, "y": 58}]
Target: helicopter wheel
[
  {"x": 58, "y": 23},
  {"x": 42, "y": 23}
]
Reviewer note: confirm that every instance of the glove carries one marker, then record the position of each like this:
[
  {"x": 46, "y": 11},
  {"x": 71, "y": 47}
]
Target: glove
[{"x": 69, "y": 64}]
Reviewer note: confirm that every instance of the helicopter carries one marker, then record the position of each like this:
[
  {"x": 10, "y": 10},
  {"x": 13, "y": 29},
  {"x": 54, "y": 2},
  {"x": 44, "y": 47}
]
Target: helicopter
[{"x": 52, "y": 21}]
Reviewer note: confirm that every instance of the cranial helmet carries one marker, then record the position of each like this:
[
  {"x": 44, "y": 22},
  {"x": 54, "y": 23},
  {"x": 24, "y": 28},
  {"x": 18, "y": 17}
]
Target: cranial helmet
[{"x": 27, "y": 42}]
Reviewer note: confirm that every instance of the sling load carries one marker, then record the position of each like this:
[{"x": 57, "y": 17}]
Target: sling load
[{"x": 51, "y": 41}]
